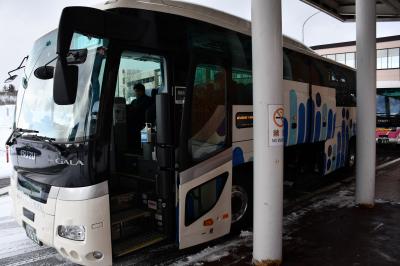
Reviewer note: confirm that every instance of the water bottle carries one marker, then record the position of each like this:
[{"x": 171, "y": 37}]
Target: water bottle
[{"x": 145, "y": 134}]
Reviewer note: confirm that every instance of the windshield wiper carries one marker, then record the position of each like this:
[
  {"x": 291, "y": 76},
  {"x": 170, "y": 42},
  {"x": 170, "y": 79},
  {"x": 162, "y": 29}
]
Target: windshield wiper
[
  {"x": 17, "y": 132},
  {"x": 36, "y": 137}
]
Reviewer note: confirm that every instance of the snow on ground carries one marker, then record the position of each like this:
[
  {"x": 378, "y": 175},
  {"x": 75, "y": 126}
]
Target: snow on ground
[
  {"x": 341, "y": 199},
  {"x": 13, "y": 240},
  {"x": 382, "y": 201},
  {"x": 217, "y": 252},
  {"x": 6, "y": 120},
  {"x": 16, "y": 248}
]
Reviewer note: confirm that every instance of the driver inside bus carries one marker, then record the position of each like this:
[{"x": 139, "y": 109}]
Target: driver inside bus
[
  {"x": 136, "y": 112},
  {"x": 142, "y": 101}
]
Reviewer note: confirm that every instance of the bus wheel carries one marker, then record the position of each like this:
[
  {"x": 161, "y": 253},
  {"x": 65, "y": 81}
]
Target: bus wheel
[
  {"x": 351, "y": 156},
  {"x": 242, "y": 209},
  {"x": 240, "y": 203}
]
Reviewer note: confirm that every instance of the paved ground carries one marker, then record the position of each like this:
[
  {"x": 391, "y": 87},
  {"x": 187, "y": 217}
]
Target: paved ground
[
  {"x": 331, "y": 230},
  {"x": 386, "y": 152}
]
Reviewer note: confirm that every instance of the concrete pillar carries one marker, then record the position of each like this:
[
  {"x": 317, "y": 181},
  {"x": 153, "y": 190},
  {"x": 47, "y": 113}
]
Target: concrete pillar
[
  {"x": 268, "y": 140},
  {"x": 366, "y": 101}
]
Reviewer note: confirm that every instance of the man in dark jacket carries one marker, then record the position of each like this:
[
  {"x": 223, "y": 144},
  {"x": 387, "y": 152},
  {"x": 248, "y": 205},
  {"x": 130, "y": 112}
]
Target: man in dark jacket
[
  {"x": 136, "y": 115},
  {"x": 142, "y": 101}
]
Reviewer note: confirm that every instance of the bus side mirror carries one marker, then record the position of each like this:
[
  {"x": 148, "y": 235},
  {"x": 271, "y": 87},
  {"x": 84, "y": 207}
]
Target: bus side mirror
[
  {"x": 65, "y": 82},
  {"x": 11, "y": 78}
]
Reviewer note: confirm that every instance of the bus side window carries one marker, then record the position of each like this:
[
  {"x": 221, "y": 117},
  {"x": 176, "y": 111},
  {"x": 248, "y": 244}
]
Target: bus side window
[
  {"x": 242, "y": 87},
  {"x": 298, "y": 63},
  {"x": 346, "y": 91},
  {"x": 322, "y": 74},
  {"x": 287, "y": 67},
  {"x": 201, "y": 199},
  {"x": 208, "y": 123}
]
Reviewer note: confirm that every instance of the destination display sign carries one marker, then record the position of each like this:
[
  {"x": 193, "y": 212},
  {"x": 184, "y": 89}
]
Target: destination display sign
[{"x": 244, "y": 119}]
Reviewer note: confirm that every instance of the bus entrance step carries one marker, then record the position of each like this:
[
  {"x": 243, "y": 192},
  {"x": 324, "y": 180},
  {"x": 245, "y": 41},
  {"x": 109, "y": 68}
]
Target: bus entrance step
[
  {"x": 122, "y": 201},
  {"x": 136, "y": 177},
  {"x": 137, "y": 242},
  {"x": 129, "y": 215}
]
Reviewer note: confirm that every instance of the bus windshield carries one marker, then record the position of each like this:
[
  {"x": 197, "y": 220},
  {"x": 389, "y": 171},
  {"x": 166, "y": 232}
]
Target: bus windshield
[
  {"x": 36, "y": 109},
  {"x": 388, "y": 102}
]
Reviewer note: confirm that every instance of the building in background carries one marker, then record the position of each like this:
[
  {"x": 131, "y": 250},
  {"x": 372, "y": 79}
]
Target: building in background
[
  {"x": 8, "y": 97},
  {"x": 388, "y": 80}
]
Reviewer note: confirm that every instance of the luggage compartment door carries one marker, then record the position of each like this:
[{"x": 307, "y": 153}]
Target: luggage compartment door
[{"x": 205, "y": 200}]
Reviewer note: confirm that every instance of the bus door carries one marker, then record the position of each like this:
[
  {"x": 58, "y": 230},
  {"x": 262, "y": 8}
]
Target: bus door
[{"x": 204, "y": 188}]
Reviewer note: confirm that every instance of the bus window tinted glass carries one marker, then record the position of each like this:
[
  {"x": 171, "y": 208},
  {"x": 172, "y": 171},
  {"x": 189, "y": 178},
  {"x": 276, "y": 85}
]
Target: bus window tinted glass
[
  {"x": 140, "y": 79},
  {"x": 63, "y": 122},
  {"x": 297, "y": 66},
  {"x": 388, "y": 102},
  {"x": 242, "y": 85},
  {"x": 203, "y": 198},
  {"x": 394, "y": 103},
  {"x": 381, "y": 105},
  {"x": 321, "y": 74},
  {"x": 208, "y": 126},
  {"x": 137, "y": 68}
]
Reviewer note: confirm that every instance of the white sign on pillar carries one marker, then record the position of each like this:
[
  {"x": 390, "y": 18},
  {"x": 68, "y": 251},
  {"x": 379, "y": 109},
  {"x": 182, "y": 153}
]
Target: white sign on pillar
[{"x": 275, "y": 124}]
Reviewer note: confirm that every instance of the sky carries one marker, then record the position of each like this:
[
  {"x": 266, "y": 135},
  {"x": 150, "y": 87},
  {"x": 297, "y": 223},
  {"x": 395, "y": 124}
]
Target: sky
[{"x": 23, "y": 21}]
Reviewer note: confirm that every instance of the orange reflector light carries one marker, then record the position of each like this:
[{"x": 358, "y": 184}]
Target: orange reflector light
[
  {"x": 208, "y": 222},
  {"x": 225, "y": 216}
]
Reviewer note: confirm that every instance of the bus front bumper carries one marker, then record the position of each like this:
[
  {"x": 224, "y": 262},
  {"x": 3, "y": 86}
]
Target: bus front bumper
[{"x": 41, "y": 221}]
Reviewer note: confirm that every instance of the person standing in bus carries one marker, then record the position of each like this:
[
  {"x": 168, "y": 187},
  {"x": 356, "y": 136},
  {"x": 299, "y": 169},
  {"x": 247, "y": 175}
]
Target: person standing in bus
[
  {"x": 136, "y": 113},
  {"x": 142, "y": 101}
]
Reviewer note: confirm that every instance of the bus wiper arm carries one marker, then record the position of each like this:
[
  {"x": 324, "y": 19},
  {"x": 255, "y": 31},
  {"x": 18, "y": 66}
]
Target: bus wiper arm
[
  {"x": 18, "y": 132},
  {"x": 22, "y": 130},
  {"x": 43, "y": 138}
]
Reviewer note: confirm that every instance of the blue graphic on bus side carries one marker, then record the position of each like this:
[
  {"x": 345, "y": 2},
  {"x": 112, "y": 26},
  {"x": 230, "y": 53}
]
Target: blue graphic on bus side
[
  {"x": 317, "y": 126},
  {"x": 285, "y": 131},
  {"x": 293, "y": 117},
  {"x": 309, "y": 125},
  {"x": 301, "y": 124},
  {"x": 339, "y": 146},
  {"x": 237, "y": 156},
  {"x": 329, "y": 133},
  {"x": 324, "y": 122}
]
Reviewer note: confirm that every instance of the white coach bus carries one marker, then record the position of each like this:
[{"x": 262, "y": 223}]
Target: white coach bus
[{"x": 134, "y": 126}]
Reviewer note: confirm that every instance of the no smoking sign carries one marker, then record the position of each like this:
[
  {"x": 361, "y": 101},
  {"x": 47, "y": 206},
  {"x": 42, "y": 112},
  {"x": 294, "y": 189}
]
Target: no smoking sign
[{"x": 275, "y": 124}]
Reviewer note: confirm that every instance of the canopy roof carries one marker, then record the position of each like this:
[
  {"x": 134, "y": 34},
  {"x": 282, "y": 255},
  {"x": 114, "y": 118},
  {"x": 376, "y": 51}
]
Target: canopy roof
[{"x": 344, "y": 10}]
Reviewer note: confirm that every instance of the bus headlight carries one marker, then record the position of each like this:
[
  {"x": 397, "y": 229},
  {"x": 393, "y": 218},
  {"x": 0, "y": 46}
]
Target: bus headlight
[{"x": 73, "y": 232}]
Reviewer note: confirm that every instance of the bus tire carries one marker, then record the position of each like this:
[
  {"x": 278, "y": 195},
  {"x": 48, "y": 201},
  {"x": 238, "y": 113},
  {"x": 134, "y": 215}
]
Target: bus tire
[
  {"x": 242, "y": 204},
  {"x": 351, "y": 155}
]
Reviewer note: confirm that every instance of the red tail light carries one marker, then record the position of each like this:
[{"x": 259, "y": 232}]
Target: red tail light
[{"x": 7, "y": 154}]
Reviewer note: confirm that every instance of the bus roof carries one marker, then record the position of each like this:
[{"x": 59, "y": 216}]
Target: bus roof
[
  {"x": 208, "y": 15},
  {"x": 194, "y": 11}
]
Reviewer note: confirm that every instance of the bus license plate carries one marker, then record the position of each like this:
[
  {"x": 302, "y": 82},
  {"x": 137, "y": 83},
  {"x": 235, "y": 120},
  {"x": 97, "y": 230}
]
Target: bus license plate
[{"x": 31, "y": 233}]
